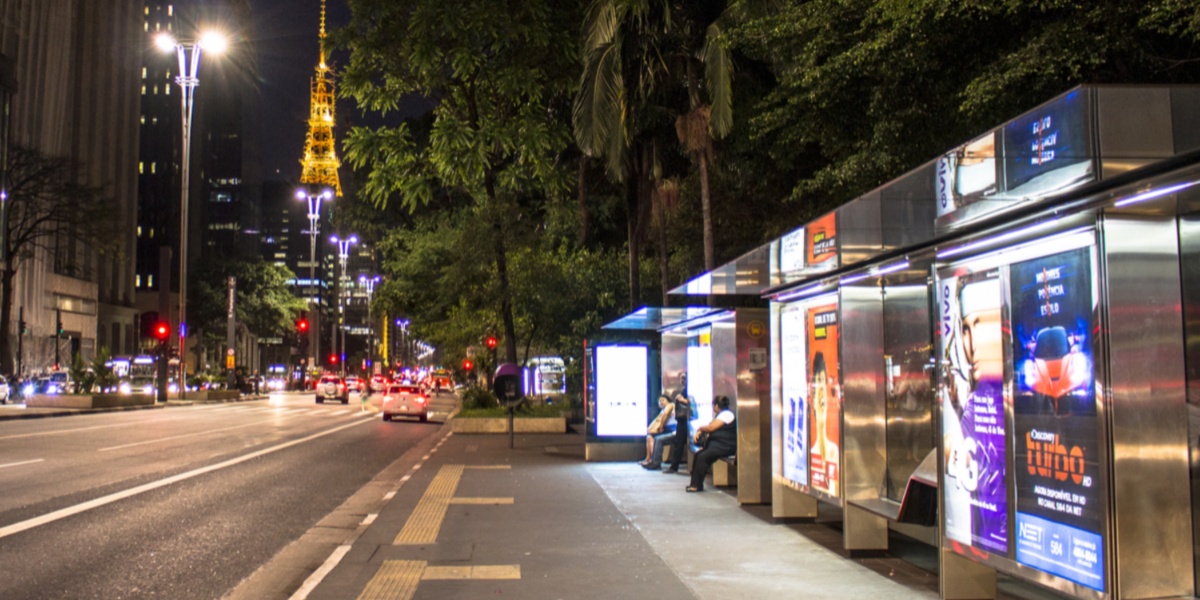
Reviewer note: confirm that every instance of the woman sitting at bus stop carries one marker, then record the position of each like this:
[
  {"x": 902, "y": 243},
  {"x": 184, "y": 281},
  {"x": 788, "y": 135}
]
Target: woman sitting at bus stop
[
  {"x": 721, "y": 442},
  {"x": 660, "y": 431}
]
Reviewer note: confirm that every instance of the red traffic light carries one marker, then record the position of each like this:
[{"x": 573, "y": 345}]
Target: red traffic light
[
  {"x": 302, "y": 325},
  {"x": 491, "y": 342},
  {"x": 333, "y": 359},
  {"x": 468, "y": 365},
  {"x": 162, "y": 332}
]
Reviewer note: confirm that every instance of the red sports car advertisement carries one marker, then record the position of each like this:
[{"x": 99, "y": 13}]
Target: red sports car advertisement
[
  {"x": 1060, "y": 503},
  {"x": 825, "y": 399}
]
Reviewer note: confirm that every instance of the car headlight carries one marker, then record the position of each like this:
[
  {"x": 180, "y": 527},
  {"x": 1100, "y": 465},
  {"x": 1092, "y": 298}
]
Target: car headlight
[
  {"x": 27, "y": 390},
  {"x": 125, "y": 389}
]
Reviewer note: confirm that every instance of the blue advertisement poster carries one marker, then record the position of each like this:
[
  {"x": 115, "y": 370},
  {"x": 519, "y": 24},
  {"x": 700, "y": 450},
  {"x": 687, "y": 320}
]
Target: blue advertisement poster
[
  {"x": 794, "y": 376},
  {"x": 1046, "y": 151},
  {"x": 1060, "y": 506},
  {"x": 972, "y": 398}
]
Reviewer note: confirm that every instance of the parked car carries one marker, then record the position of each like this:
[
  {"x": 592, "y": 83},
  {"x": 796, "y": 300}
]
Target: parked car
[
  {"x": 405, "y": 401},
  {"x": 331, "y": 387}
]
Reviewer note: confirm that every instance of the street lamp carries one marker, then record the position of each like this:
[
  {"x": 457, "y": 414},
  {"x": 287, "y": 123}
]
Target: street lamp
[
  {"x": 369, "y": 283},
  {"x": 343, "y": 257},
  {"x": 188, "y": 79},
  {"x": 403, "y": 325},
  {"x": 314, "y": 224}
]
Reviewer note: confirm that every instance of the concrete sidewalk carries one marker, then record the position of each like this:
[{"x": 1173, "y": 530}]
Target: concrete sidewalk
[{"x": 473, "y": 518}]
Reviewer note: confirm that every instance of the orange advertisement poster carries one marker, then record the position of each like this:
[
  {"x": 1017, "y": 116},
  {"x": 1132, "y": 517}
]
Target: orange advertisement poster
[
  {"x": 825, "y": 392},
  {"x": 822, "y": 240}
]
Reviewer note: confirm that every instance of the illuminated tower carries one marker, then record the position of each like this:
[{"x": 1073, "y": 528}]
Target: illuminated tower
[{"x": 320, "y": 160}]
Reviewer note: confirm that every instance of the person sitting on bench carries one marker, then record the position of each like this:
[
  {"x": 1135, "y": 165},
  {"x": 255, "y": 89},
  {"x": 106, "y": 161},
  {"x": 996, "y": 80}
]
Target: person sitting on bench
[
  {"x": 659, "y": 433},
  {"x": 721, "y": 442}
]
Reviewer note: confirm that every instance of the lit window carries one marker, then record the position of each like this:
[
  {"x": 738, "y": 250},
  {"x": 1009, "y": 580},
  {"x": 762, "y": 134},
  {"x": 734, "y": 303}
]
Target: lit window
[
  {"x": 167, "y": 91},
  {"x": 141, "y": 168},
  {"x": 139, "y": 231},
  {"x": 154, "y": 167},
  {"x": 143, "y": 119},
  {"x": 146, "y": 26},
  {"x": 150, "y": 281},
  {"x": 147, "y": 10},
  {"x": 155, "y": 90},
  {"x": 137, "y": 281},
  {"x": 143, "y": 72},
  {"x": 280, "y": 255},
  {"x": 143, "y": 90},
  {"x": 151, "y": 233},
  {"x": 171, "y": 9}
]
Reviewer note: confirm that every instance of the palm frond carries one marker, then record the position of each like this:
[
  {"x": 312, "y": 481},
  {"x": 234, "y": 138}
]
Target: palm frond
[
  {"x": 718, "y": 78},
  {"x": 601, "y": 23}
]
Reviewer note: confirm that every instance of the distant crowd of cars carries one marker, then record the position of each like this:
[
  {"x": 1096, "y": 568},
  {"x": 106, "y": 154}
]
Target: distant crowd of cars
[{"x": 399, "y": 397}]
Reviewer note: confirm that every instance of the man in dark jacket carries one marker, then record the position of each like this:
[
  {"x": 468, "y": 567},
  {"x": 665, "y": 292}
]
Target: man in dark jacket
[{"x": 683, "y": 412}]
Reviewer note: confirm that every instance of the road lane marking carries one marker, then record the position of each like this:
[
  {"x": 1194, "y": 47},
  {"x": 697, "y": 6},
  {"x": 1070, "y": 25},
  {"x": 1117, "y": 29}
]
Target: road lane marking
[
  {"x": 17, "y": 464},
  {"x": 370, "y": 519},
  {"x": 187, "y": 435},
  {"x": 390, "y": 495},
  {"x": 480, "y": 500},
  {"x": 314, "y": 580},
  {"x": 27, "y": 524}
]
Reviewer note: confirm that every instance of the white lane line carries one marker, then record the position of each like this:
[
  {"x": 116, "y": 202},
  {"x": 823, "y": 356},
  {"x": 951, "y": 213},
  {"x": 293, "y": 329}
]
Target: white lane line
[
  {"x": 370, "y": 519},
  {"x": 154, "y": 485},
  {"x": 315, "y": 579},
  {"x": 390, "y": 495},
  {"x": 92, "y": 428},
  {"x": 26, "y": 462},
  {"x": 185, "y": 435}
]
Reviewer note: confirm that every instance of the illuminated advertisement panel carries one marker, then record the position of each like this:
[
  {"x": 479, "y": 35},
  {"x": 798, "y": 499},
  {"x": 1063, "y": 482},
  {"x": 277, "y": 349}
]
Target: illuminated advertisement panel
[
  {"x": 822, "y": 241},
  {"x": 966, "y": 174},
  {"x": 791, "y": 251},
  {"x": 825, "y": 398},
  {"x": 971, "y": 348},
  {"x": 794, "y": 377},
  {"x": 622, "y": 392},
  {"x": 1046, "y": 151},
  {"x": 1060, "y": 508},
  {"x": 700, "y": 375}
]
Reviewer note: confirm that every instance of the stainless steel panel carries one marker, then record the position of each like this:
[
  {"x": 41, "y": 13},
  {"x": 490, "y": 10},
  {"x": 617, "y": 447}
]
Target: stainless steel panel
[
  {"x": 859, "y": 233},
  {"x": 1133, "y": 126},
  {"x": 908, "y": 380},
  {"x": 724, "y": 361},
  {"x": 864, "y": 438},
  {"x": 1185, "y": 118},
  {"x": 1151, "y": 505},
  {"x": 1189, "y": 250},
  {"x": 908, "y": 208},
  {"x": 753, "y": 406}
]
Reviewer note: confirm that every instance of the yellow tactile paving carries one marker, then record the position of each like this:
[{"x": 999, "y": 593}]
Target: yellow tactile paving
[
  {"x": 395, "y": 580},
  {"x": 489, "y": 467},
  {"x": 481, "y": 500},
  {"x": 476, "y": 572},
  {"x": 426, "y": 519}
]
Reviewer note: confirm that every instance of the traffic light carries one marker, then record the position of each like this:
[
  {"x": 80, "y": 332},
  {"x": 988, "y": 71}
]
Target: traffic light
[
  {"x": 162, "y": 331},
  {"x": 491, "y": 342},
  {"x": 468, "y": 364},
  {"x": 302, "y": 324},
  {"x": 333, "y": 358},
  {"x": 58, "y": 328}
]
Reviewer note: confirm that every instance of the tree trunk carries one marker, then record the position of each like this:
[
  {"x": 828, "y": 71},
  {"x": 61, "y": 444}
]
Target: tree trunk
[
  {"x": 631, "y": 212},
  {"x": 584, "y": 216},
  {"x": 663, "y": 266},
  {"x": 500, "y": 250},
  {"x": 706, "y": 208},
  {"x": 6, "y": 299}
]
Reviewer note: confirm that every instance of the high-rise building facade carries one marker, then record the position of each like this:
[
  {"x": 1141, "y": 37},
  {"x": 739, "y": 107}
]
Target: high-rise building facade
[{"x": 74, "y": 94}]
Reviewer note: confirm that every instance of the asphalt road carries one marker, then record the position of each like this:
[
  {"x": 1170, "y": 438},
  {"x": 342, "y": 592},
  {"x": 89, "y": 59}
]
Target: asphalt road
[{"x": 183, "y": 502}]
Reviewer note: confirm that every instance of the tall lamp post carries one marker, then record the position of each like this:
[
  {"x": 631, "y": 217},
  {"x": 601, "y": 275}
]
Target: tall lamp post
[
  {"x": 369, "y": 283},
  {"x": 403, "y": 325},
  {"x": 314, "y": 224},
  {"x": 188, "y": 79},
  {"x": 343, "y": 257}
]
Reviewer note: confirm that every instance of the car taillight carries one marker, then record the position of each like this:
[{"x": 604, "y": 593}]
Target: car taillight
[{"x": 420, "y": 399}]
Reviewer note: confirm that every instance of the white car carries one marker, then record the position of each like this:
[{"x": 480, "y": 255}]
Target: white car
[
  {"x": 4, "y": 391},
  {"x": 405, "y": 401}
]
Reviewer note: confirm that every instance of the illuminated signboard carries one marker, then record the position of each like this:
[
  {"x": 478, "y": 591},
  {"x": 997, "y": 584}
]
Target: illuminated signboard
[
  {"x": 700, "y": 375},
  {"x": 1046, "y": 151},
  {"x": 825, "y": 399},
  {"x": 822, "y": 241},
  {"x": 791, "y": 251},
  {"x": 793, "y": 377},
  {"x": 1060, "y": 508},
  {"x": 973, "y": 425},
  {"x": 622, "y": 391},
  {"x": 966, "y": 174}
]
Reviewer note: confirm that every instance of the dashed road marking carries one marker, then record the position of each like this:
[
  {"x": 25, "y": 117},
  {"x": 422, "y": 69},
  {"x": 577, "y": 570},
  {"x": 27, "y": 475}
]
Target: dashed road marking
[{"x": 24, "y": 462}]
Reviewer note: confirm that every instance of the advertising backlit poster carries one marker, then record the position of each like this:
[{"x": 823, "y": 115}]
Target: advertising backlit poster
[
  {"x": 1060, "y": 509},
  {"x": 791, "y": 251},
  {"x": 825, "y": 398},
  {"x": 973, "y": 428},
  {"x": 794, "y": 381},
  {"x": 622, "y": 393},
  {"x": 966, "y": 174},
  {"x": 700, "y": 375},
  {"x": 822, "y": 241},
  {"x": 1046, "y": 151}
]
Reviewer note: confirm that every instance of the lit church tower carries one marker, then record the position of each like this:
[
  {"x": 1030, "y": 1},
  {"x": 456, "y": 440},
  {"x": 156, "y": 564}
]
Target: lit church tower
[{"x": 320, "y": 160}]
